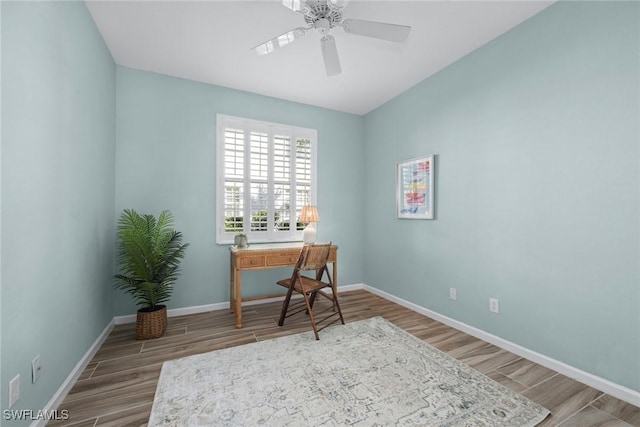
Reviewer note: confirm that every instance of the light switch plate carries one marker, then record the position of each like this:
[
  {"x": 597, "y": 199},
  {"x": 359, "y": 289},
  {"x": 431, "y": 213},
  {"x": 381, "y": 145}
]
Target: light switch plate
[
  {"x": 36, "y": 369},
  {"x": 494, "y": 305},
  {"x": 14, "y": 390}
]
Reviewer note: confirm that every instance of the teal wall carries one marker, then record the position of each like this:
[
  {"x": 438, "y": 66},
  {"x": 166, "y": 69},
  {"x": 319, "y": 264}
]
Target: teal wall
[
  {"x": 58, "y": 163},
  {"x": 537, "y": 188},
  {"x": 166, "y": 157}
]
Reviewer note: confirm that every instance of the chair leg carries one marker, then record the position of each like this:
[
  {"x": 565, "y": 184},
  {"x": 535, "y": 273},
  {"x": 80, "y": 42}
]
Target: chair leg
[
  {"x": 313, "y": 298},
  {"x": 313, "y": 322},
  {"x": 285, "y": 306},
  {"x": 337, "y": 304}
]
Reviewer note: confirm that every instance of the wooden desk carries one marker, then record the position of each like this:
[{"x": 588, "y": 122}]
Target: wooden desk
[{"x": 261, "y": 257}]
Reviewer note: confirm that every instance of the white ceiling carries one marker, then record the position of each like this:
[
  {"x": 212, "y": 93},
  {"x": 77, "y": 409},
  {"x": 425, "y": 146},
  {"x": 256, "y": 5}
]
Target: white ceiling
[{"x": 211, "y": 41}]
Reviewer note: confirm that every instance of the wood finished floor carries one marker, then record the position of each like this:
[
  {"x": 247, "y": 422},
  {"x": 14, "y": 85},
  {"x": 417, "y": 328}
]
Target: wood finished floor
[{"x": 118, "y": 385}]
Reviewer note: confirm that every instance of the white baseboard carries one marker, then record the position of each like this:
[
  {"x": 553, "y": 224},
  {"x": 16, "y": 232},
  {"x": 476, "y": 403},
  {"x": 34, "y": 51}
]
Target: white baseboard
[
  {"x": 347, "y": 288},
  {"x": 604, "y": 385},
  {"x": 71, "y": 379},
  {"x": 196, "y": 309},
  {"x": 173, "y": 312}
]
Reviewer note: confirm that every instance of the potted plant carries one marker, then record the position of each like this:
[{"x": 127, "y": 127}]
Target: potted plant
[{"x": 150, "y": 252}]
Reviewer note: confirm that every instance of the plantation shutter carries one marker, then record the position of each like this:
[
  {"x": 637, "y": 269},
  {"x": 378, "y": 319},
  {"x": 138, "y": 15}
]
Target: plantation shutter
[{"x": 266, "y": 173}]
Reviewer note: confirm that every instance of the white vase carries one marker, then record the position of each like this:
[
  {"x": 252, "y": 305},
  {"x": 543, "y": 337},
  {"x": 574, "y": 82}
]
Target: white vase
[{"x": 240, "y": 241}]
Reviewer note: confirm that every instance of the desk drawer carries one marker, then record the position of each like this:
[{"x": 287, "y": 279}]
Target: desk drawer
[
  {"x": 252, "y": 261},
  {"x": 290, "y": 259}
]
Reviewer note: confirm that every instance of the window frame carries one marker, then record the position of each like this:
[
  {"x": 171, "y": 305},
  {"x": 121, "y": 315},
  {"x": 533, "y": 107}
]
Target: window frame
[{"x": 295, "y": 133}]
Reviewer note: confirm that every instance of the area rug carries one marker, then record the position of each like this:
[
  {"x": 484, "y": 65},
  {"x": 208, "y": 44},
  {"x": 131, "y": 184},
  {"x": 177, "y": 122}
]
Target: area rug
[{"x": 365, "y": 373}]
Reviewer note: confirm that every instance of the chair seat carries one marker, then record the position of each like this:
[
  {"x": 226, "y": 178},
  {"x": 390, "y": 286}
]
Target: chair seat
[{"x": 308, "y": 284}]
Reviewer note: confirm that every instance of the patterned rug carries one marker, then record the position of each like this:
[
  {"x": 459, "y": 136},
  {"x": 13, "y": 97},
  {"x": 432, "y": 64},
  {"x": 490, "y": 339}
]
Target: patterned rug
[{"x": 366, "y": 373}]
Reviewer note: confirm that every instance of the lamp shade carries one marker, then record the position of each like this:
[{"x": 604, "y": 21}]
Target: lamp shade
[{"x": 309, "y": 214}]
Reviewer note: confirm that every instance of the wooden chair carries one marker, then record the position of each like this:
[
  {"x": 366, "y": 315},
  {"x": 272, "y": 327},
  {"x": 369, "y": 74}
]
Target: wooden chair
[{"x": 312, "y": 257}]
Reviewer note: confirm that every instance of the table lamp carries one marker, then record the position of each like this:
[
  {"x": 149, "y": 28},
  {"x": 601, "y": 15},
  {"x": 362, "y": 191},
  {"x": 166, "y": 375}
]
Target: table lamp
[{"x": 309, "y": 215}]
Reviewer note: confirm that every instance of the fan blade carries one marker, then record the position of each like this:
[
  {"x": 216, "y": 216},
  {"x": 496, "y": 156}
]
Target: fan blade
[
  {"x": 330, "y": 55},
  {"x": 379, "y": 30},
  {"x": 337, "y": 3},
  {"x": 295, "y": 5},
  {"x": 282, "y": 40}
]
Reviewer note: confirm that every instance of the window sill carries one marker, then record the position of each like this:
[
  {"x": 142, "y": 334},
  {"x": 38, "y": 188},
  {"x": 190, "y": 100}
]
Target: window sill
[{"x": 259, "y": 242}]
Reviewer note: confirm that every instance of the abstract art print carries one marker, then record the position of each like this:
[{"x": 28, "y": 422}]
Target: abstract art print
[{"x": 414, "y": 188}]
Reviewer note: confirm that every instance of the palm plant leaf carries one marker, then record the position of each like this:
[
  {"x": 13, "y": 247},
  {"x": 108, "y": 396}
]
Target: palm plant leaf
[{"x": 150, "y": 252}]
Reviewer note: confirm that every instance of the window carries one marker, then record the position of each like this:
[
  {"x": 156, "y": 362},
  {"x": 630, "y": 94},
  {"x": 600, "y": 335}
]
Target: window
[{"x": 265, "y": 174}]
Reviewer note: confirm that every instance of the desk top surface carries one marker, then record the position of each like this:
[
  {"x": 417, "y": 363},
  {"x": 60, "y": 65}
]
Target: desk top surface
[{"x": 269, "y": 247}]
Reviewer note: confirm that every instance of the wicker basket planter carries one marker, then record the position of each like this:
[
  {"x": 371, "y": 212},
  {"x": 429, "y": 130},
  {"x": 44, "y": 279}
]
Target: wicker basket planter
[{"x": 151, "y": 324}]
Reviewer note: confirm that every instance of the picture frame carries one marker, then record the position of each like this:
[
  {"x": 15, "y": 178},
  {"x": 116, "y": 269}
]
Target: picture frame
[{"x": 414, "y": 188}]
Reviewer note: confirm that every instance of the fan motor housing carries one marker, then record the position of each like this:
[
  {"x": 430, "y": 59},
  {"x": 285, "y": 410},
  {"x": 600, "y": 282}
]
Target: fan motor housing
[{"x": 316, "y": 10}]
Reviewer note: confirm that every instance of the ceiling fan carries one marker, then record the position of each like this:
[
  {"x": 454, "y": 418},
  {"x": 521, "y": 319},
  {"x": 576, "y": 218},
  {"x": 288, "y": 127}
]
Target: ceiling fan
[{"x": 323, "y": 16}]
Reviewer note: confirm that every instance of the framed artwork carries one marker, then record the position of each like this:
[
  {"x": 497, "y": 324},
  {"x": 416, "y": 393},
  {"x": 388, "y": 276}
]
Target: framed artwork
[{"x": 414, "y": 188}]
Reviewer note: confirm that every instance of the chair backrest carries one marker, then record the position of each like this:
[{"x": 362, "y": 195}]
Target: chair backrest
[{"x": 313, "y": 257}]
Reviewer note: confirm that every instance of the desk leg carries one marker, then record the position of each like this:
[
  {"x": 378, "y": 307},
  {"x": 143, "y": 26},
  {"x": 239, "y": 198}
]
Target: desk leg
[
  {"x": 238, "y": 298},
  {"x": 335, "y": 275},
  {"x": 232, "y": 287}
]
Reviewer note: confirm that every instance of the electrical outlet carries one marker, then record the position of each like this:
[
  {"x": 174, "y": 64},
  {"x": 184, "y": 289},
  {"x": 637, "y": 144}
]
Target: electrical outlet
[
  {"x": 35, "y": 369},
  {"x": 453, "y": 293},
  {"x": 494, "y": 305},
  {"x": 14, "y": 390}
]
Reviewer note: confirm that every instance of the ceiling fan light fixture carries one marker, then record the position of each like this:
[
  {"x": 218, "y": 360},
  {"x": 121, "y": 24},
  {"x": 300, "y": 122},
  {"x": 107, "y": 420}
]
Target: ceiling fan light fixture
[{"x": 323, "y": 26}]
